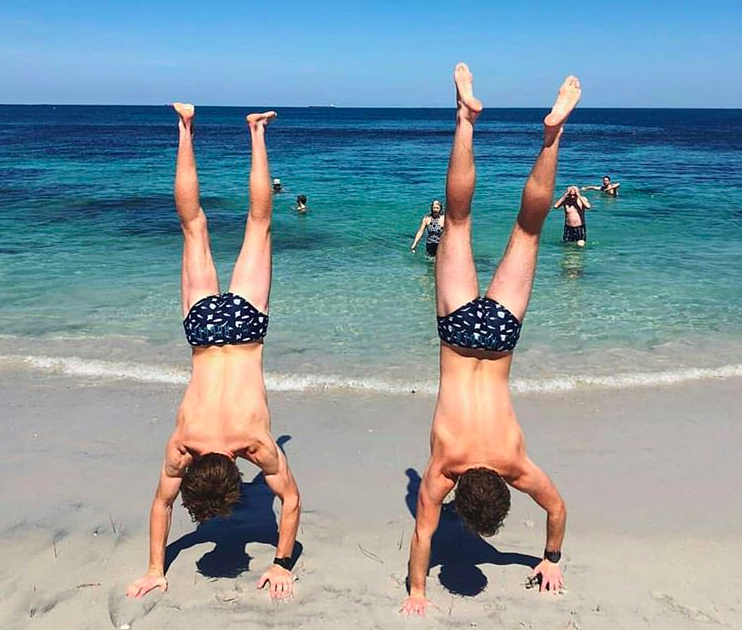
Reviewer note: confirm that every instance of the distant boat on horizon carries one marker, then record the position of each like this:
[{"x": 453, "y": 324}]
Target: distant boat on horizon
[{"x": 330, "y": 106}]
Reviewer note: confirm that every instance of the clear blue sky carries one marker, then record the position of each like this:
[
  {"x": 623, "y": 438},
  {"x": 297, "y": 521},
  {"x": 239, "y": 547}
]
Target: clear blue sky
[{"x": 628, "y": 53}]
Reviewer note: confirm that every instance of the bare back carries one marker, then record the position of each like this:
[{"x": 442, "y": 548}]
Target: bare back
[
  {"x": 474, "y": 422},
  {"x": 225, "y": 407}
]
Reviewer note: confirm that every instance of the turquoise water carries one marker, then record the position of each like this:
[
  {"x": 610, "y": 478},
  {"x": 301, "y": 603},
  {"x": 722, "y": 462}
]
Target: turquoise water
[{"x": 89, "y": 262}]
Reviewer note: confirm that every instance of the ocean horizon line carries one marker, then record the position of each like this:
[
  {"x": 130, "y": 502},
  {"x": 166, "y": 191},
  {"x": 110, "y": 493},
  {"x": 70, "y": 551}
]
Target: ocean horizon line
[{"x": 375, "y": 107}]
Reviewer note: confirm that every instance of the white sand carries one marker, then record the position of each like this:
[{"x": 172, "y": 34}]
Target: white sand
[{"x": 651, "y": 479}]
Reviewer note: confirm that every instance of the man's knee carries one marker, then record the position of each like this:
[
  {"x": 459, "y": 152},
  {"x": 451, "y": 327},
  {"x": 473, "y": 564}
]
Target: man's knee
[{"x": 196, "y": 226}]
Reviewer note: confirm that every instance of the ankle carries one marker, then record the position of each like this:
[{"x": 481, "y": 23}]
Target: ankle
[
  {"x": 552, "y": 135},
  {"x": 464, "y": 117}
]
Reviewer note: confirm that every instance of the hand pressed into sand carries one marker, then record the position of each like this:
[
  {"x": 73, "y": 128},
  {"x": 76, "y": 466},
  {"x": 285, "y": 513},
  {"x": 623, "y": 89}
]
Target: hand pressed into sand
[
  {"x": 415, "y": 605},
  {"x": 145, "y": 584},
  {"x": 551, "y": 576},
  {"x": 280, "y": 580}
]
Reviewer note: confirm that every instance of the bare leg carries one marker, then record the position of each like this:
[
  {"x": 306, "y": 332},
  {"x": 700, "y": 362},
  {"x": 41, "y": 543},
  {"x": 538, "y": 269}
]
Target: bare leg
[
  {"x": 252, "y": 274},
  {"x": 198, "y": 278},
  {"x": 513, "y": 280},
  {"x": 455, "y": 274}
]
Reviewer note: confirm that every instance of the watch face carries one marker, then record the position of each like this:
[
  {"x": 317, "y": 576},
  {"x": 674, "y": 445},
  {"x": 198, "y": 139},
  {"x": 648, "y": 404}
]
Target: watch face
[{"x": 553, "y": 556}]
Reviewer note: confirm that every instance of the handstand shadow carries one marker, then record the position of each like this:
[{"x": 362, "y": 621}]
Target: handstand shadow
[
  {"x": 458, "y": 551},
  {"x": 252, "y": 520}
]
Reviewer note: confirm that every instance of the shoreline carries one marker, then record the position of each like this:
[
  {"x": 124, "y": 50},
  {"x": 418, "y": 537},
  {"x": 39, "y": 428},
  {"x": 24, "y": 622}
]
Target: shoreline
[
  {"x": 168, "y": 374},
  {"x": 649, "y": 476}
]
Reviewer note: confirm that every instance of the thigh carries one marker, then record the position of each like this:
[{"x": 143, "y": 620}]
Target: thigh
[
  {"x": 251, "y": 278},
  {"x": 198, "y": 277},
  {"x": 455, "y": 274},
  {"x": 513, "y": 280}
]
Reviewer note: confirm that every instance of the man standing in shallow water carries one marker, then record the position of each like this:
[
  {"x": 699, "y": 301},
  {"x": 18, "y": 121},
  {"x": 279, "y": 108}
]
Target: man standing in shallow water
[
  {"x": 224, "y": 413},
  {"x": 606, "y": 186},
  {"x": 476, "y": 442},
  {"x": 574, "y": 204}
]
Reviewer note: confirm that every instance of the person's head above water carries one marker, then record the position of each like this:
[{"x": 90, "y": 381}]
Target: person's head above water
[
  {"x": 606, "y": 180},
  {"x": 436, "y": 207},
  {"x": 211, "y": 487},
  {"x": 482, "y": 500},
  {"x": 301, "y": 200},
  {"x": 572, "y": 191},
  {"x": 277, "y": 185}
]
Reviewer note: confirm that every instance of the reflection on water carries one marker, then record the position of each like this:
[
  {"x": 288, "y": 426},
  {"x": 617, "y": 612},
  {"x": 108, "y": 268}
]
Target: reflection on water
[{"x": 572, "y": 261}]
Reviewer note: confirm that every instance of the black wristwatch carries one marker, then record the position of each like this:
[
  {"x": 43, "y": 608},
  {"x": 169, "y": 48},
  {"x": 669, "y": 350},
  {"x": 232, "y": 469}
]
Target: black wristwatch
[
  {"x": 283, "y": 562},
  {"x": 552, "y": 556}
]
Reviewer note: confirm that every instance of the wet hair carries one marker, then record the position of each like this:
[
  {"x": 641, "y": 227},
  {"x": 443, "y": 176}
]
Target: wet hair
[
  {"x": 435, "y": 201},
  {"x": 607, "y": 177},
  {"x": 482, "y": 500},
  {"x": 211, "y": 487},
  {"x": 301, "y": 199}
]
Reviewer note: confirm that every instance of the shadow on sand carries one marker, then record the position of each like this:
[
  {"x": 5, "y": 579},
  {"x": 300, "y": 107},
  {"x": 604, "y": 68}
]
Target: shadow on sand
[
  {"x": 458, "y": 551},
  {"x": 252, "y": 521}
]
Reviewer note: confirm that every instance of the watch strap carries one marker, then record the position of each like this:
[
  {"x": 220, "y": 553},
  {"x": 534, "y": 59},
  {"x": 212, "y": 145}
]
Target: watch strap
[{"x": 283, "y": 562}]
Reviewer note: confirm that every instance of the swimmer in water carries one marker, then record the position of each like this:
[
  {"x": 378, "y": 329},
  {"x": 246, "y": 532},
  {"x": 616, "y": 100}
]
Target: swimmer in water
[
  {"x": 277, "y": 185},
  {"x": 476, "y": 442},
  {"x": 574, "y": 204},
  {"x": 224, "y": 412},
  {"x": 301, "y": 204},
  {"x": 433, "y": 223},
  {"x": 606, "y": 187}
]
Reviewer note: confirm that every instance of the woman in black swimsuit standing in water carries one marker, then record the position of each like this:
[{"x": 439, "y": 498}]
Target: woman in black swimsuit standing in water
[{"x": 434, "y": 223}]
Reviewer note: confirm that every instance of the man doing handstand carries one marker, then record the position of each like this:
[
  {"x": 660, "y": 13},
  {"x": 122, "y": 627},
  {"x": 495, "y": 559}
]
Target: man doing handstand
[{"x": 476, "y": 442}]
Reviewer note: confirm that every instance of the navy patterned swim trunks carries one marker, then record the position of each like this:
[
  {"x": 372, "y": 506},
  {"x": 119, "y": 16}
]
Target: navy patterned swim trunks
[
  {"x": 226, "y": 319},
  {"x": 574, "y": 234},
  {"x": 482, "y": 324}
]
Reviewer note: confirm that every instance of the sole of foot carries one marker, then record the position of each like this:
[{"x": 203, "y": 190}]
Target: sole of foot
[
  {"x": 186, "y": 111},
  {"x": 567, "y": 99},
  {"x": 260, "y": 120},
  {"x": 469, "y": 106}
]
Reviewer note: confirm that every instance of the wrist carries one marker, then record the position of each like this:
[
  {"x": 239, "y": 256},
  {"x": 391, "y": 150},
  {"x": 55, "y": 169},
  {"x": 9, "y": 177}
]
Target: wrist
[
  {"x": 156, "y": 572},
  {"x": 553, "y": 555}
]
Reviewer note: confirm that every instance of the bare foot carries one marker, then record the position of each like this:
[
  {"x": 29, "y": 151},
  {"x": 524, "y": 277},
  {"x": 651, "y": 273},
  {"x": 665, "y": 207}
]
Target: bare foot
[
  {"x": 186, "y": 111},
  {"x": 469, "y": 106},
  {"x": 260, "y": 120},
  {"x": 567, "y": 99}
]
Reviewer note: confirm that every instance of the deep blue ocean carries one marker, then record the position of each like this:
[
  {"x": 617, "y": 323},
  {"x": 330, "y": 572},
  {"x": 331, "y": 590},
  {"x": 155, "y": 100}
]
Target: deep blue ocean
[{"x": 90, "y": 250}]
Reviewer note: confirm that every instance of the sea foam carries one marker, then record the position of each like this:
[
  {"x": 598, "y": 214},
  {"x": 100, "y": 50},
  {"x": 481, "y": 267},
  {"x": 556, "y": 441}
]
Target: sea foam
[{"x": 148, "y": 373}]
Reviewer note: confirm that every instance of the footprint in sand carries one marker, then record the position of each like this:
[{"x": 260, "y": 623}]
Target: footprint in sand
[
  {"x": 41, "y": 605},
  {"x": 670, "y": 603},
  {"x": 124, "y": 612}
]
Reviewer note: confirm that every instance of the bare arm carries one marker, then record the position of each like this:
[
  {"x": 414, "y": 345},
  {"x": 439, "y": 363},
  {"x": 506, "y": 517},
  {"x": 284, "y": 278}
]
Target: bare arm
[
  {"x": 433, "y": 489},
  {"x": 419, "y": 235},
  {"x": 160, "y": 516},
  {"x": 560, "y": 203},
  {"x": 536, "y": 483},
  {"x": 585, "y": 203},
  {"x": 282, "y": 483}
]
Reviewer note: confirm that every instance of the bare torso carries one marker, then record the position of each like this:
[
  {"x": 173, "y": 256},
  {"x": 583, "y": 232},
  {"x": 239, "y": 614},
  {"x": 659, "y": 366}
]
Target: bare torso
[
  {"x": 225, "y": 407},
  {"x": 474, "y": 423},
  {"x": 574, "y": 214}
]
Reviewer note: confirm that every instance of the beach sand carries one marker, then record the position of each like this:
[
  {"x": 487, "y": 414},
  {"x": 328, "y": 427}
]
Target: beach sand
[{"x": 651, "y": 479}]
